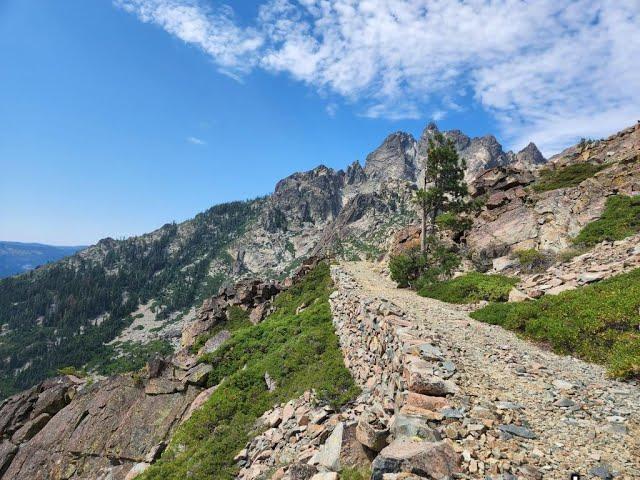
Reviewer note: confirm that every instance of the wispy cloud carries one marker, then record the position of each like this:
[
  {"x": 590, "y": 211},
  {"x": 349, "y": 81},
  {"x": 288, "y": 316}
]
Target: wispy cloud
[
  {"x": 548, "y": 70},
  {"x": 196, "y": 141}
]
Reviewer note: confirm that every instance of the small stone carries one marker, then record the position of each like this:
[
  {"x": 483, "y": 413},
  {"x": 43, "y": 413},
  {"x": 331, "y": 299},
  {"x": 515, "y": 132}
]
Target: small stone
[
  {"x": 325, "y": 476},
  {"x": 562, "y": 385},
  {"x": 564, "y": 403},
  {"x": 601, "y": 471},
  {"x": 518, "y": 431}
]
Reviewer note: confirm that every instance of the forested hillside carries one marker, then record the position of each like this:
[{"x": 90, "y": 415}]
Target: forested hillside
[{"x": 62, "y": 314}]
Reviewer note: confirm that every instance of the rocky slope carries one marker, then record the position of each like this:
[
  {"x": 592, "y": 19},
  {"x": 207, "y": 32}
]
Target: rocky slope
[
  {"x": 50, "y": 320},
  {"x": 517, "y": 217},
  {"x": 72, "y": 428},
  {"x": 446, "y": 397}
]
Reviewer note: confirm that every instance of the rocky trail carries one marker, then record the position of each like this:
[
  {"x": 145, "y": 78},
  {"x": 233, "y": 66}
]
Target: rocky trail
[{"x": 559, "y": 414}]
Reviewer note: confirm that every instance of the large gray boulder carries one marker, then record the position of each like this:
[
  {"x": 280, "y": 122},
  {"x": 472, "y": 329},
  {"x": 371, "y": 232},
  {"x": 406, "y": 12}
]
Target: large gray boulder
[{"x": 434, "y": 460}]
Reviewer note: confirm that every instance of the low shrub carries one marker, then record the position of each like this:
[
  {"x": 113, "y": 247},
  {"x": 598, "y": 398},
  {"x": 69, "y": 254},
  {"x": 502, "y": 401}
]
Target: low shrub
[
  {"x": 598, "y": 323},
  {"x": 570, "y": 253},
  {"x": 565, "y": 177},
  {"x": 299, "y": 351},
  {"x": 455, "y": 223},
  {"x": 620, "y": 219},
  {"x": 405, "y": 268},
  {"x": 470, "y": 288},
  {"x": 416, "y": 269},
  {"x": 72, "y": 371},
  {"x": 355, "y": 473},
  {"x": 532, "y": 260}
]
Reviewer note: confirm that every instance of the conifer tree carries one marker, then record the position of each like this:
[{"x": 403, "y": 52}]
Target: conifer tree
[{"x": 444, "y": 186}]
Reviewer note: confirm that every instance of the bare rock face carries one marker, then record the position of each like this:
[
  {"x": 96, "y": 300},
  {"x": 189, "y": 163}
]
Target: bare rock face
[
  {"x": 479, "y": 153},
  {"x": 518, "y": 218},
  {"x": 530, "y": 156},
  {"x": 105, "y": 429},
  {"x": 310, "y": 197},
  {"x": 25, "y": 414},
  {"x": 394, "y": 159},
  {"x": 405, "y": 239}
]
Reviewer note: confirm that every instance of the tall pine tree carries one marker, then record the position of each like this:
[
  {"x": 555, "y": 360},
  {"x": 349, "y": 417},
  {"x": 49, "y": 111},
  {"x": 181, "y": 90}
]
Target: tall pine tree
[{"x": 444, "y": 186}]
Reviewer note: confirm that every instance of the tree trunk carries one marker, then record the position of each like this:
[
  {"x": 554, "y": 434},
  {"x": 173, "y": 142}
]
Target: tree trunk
[{"x": 423, "y": 236}]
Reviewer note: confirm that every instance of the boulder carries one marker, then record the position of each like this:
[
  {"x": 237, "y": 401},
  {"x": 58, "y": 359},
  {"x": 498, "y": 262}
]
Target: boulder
[
  {"x": 591, "y": 277},
  {"x": 518, "y": 431},
  {"x": 163, "y": 386},
  {"x": 136, "y": 470},
  {"x": 30, "y": 428},
  {"x": 302, "y": 471},
  {"x": 7, "y": 452},
  {"x": 420, "y": 379},
  {"x": 215, "y": 342},
  {"x": 52, "y": 400},
  {"x": 270, "y": 382},
  {"x": 409, "y": 426},
  {"x": 372, "y": 431},
  {"x": 435, "y": 460},
  {"x": 325, "y": 476},
  {"x": 516, "y": 295},
  {"x": 425, "y": 401},
  {"x": 198, "y": 375},
  {"x": 329, "y": 454},
  {"x": 258, "y": 313},
  {"x": 156, "y": 366},
  {"x": 502, "y": 263}
]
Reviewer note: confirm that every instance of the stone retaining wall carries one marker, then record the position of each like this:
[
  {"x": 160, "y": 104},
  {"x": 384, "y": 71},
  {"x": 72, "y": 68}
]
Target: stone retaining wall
[{"x": 370, "y": 331}]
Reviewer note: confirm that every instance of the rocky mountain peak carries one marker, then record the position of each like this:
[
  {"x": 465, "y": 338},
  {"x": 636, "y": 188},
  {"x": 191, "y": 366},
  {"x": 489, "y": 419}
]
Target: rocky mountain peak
[
  {"x": 530, "y": 155},
  {"x": 395, "y": 158},
  {"x": 355, "y": 174}
]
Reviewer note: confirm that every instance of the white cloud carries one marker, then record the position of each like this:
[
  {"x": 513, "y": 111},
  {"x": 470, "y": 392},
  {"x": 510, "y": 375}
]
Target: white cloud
[
  {"x": 196, "y": 141},
  {"x": 548, "y": 70}
]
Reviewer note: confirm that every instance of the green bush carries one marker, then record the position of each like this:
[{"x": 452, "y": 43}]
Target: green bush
[
  {"x": 565, "y": 177},
  {"x": 620, "y": 219},
  {"x": 416, "y": 269},
  {"x": 598, "y": 323},
  {"x": 453, "y": 222},
  {"x": 405, "y": 268},
  {"x": 72, "y": 371},
  {"x": 300, "y": 352},
  {"x": 568, "y": 254},
  {"x": 532, "y": 260},
  {"x": 355, "y": 473},
  {"x": 471, "y": 288}
]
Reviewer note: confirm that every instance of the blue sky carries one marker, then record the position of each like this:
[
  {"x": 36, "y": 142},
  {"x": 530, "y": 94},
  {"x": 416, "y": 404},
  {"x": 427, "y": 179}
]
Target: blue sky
[{"x": 117, "y": 117}]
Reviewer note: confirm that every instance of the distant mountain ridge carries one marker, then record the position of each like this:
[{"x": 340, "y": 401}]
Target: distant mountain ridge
[{"x": 19, "y": 257}]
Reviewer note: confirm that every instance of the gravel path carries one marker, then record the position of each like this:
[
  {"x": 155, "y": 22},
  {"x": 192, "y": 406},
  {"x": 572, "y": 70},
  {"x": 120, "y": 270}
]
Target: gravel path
[{"x": 584, "y": 422}]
